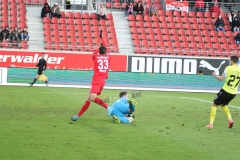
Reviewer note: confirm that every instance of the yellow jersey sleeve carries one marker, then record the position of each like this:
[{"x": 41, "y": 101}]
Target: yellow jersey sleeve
[{"x": 232, "y": 80}]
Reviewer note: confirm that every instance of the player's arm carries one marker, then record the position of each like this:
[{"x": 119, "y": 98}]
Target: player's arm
[
  {"x": 45, "y": 65},
  {"x": 222, "y": 77},
  {"x": 37, "y": 64}
]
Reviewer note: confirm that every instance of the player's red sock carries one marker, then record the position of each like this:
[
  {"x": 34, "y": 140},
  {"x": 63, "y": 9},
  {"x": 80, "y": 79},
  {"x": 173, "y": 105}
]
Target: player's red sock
[
  {"x": 84, "y": 108},
  {"x": 100, "y": 102}
]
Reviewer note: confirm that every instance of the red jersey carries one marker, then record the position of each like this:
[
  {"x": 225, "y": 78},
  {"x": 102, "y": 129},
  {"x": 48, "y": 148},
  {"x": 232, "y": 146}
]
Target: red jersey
[{"x": 101, "y": 63}]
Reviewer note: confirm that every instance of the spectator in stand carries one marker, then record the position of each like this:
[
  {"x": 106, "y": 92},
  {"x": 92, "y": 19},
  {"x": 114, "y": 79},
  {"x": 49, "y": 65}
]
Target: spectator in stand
[
  {"x": 235, "y": 25},
  {"x": 153, "y": 10},
  {"x": 238, "y": 16},
  {"x": 101, "y": 12},
  {"x": 231, "y": 16},
  {"x": 219, "y": 24},
  {"x": 139, "y": 8},
  {"x": 68, "y": 4},
  {"x": 24, "y": 34},
  {"x": 56, "y": 11},
  {"x": 199, "y": 5},
  {"x": 6, "y": 35},
  {"x": 213, "y": 7},
  {"x": 129, "y": 9},
  {"x": 237, "y": 38},
  {"x": 15, "y": 35},
  {"x": 46, "y": 11}
]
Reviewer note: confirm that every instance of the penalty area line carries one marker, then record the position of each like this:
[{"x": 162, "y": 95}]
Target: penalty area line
[{"x": 195, "y": 99}]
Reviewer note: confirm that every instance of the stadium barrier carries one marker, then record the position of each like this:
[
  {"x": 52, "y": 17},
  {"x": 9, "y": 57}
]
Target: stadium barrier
[{"x": 118, "y": 80}]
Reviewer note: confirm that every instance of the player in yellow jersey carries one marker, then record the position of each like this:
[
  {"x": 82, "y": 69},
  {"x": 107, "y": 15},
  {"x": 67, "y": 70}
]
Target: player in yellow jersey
[{"x": 228, "y": 92}]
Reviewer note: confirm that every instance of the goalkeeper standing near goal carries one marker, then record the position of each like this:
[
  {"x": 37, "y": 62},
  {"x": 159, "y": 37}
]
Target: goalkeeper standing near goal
[
  {"x": 42, "y": 65},
  {"x": 228, "y": 92}
]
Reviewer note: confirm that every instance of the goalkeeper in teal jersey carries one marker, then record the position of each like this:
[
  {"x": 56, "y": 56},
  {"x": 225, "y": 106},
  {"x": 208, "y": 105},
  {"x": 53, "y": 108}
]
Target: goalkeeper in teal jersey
[{"x": 122, "y": 110}]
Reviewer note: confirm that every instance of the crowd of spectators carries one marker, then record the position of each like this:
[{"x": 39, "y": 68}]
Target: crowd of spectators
[
  {"x": 14, "y": 36},
  {"x": 47, "y": 11}
]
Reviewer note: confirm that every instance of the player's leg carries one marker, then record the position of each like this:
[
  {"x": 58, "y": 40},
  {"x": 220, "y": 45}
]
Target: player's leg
[
  {"x": 217, "y": 101},
  {"x": 118, "y": 116},
  {"x": 96, "y": 90},
  {"x": 36, "y": 77},
  {"x": 225, "y": 108}
]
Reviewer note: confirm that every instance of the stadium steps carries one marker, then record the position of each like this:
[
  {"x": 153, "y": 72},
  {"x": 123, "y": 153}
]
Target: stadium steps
[
  {"x": 35, "y": 28},
  {"x": 123, "y": 33}
]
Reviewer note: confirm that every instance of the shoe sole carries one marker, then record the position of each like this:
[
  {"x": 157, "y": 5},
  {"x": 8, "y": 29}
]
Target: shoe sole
[
  {"x": 230, "y": 125},
  {"x": 116, "y": 119}
]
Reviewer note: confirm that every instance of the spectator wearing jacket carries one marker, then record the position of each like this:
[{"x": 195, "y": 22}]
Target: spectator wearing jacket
[
  {"x": 235, "y": 25},
  {"x": 46, "y": 11},
  {"x": 199, "y": 5},
  {"x": 6, "y": 35},
  {"x": 237, "y": 39},
  {"x": 15, "y": 35},
  {"x": 231, "y": 16},
  {"x": 24, "y": 34},
  {"x": 238, "y": 16},
  {"x": 101, "y": 12},
  {"x": 153, "y": 10},
  {"x": 139, "y": 8},
  {"x": 219, "y": 24},
  {"x": 56, "y": 11},
  {"x": 129, "y": 9}
]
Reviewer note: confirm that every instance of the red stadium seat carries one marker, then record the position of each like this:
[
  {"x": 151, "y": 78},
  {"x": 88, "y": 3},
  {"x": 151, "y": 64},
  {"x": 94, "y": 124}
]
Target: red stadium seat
[
  {"x": 93, "y": 16},
  {"x": 131, "y": 18},
  {"x": 205, "y": 33},
  {"x": 156, "y": 25},
  {"x": 85, "y": 15},
  {"x": 77, "y": 15},
  {"x": 70, "y": 21},
  {"x": 207, "y": 15},
  {"x": 147, "y": 18},
  {"x": 69, "y": 15},
  {"x": 178, "y": 19},
  {"x": 109, "y": 16}
]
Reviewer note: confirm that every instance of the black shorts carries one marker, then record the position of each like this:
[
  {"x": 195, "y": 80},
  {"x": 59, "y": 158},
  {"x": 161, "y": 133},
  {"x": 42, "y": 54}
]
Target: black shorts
[
  {"x": 39, "y": 72},
  {"x": 223, "y": 98}
]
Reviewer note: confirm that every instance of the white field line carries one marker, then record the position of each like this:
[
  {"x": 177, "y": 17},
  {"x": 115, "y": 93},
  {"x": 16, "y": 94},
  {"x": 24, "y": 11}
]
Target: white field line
[{"x": 195, "y": 99}]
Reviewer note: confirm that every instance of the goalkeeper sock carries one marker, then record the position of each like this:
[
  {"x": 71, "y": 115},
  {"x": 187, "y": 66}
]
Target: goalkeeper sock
[
  {"x": 84, "y": 108},
  {"x": 227, "y": 112},
  {"x": 213, "y": 114},
  {"x": 35, "y": 79},
  {"x": 100, "y": 102}
]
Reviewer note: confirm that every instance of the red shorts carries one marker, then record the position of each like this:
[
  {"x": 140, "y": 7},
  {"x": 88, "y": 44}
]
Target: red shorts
[{"x": 97, "y": 85}]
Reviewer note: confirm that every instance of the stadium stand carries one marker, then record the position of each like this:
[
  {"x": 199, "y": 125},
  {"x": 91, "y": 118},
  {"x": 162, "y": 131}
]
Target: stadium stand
[
  {"x": 79, "y": 32},
  {"x": 13, "y": 14},
  {"x": 181, "y": 33}
]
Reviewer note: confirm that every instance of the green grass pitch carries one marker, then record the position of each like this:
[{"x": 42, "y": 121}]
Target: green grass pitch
[{"x": 35, "y": 125}]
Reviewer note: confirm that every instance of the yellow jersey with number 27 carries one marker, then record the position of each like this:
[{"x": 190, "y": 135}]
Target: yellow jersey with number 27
[{"x": 232, "y": 80}]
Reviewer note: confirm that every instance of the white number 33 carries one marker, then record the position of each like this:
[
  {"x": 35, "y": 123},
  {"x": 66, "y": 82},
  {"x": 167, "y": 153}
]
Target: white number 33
[{"x": 102, "y": 64}]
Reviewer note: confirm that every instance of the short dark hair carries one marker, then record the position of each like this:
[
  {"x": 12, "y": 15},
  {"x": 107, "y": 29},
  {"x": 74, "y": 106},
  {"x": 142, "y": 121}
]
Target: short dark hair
[
  {"x": 102, "y": 50},
  {"x": 123, "y": 93},
  {"x": 234, "y": 59},
  {"x": 43, "y": 53}
]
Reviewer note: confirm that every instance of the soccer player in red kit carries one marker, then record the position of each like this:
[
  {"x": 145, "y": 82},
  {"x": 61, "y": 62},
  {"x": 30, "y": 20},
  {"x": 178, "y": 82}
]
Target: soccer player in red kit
[{"x": 101, "y": 60}]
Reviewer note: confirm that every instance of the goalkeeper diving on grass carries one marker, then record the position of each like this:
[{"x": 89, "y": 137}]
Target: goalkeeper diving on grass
[{"x": 122, "y": 110}]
